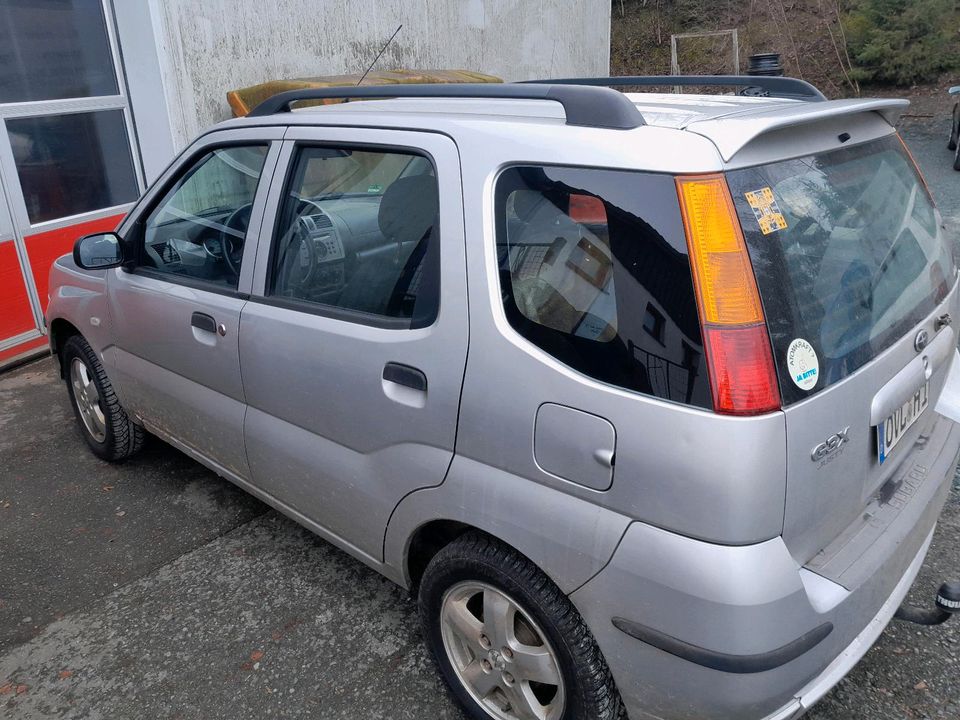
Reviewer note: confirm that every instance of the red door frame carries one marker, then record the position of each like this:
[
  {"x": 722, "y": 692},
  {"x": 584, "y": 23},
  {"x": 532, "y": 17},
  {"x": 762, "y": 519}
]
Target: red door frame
[{"x": 42, "y": 249}]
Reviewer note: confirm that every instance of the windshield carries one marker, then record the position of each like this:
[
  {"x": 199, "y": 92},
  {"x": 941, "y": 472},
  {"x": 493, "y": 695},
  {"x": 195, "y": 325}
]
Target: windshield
[{"x": 848, "y": 252}]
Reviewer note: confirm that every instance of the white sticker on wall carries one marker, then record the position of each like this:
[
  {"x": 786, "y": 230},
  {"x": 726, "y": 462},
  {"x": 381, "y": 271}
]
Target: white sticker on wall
[{"x": 803, "y": 365}]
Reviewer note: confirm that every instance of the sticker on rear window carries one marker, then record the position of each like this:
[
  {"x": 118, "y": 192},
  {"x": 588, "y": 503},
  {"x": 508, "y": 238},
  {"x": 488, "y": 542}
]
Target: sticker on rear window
[
  {"x": 765, "y": 207},
  {"x": 803, "y": 364}
]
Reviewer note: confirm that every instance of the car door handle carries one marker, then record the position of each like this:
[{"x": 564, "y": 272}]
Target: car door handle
[
  {"x": 204, "y": 322},
  {"x": 405, "y": 375}
]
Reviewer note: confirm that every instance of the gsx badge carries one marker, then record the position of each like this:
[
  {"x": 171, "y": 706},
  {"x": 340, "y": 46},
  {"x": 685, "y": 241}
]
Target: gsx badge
[{"x": 830, "y": 445}]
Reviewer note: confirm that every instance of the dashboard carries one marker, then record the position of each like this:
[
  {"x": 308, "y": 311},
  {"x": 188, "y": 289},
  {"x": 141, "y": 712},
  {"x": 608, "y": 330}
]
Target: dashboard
[
  {"x": 331, "y": 238},
  {"x": 326, "y": 252}
]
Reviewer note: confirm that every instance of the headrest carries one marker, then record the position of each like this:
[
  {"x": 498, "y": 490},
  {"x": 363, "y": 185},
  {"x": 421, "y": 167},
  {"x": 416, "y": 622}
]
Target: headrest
[
  {"x": 408, "y": 208},
  {"x": 526, "y": 203}
]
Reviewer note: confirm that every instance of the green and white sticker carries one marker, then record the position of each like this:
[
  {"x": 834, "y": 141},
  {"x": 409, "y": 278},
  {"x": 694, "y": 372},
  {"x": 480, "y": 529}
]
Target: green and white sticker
[{"x": 803, "y": 364}]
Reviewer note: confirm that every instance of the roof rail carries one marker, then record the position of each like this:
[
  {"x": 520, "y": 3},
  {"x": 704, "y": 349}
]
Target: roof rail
[
  {"x": 784, "y": 87},
  {"x": 584, "y": 106}
]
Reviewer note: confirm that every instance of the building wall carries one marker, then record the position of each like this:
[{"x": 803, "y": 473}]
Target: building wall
[{"x": 207, "y": 47}]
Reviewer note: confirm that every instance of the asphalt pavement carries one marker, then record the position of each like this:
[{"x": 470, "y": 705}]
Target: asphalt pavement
[{"x": 154, "y": 589}]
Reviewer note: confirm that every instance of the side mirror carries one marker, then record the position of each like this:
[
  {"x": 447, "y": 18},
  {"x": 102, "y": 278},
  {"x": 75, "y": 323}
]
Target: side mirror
[{"x": 99, "y": 252}]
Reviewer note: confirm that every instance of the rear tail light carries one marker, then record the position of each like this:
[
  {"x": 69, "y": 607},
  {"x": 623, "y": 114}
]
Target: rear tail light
[{"x": 737, "y": 346}]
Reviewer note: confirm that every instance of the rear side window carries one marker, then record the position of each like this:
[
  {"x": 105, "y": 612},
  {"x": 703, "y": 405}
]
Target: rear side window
[
  {"x": 848, "y": 252},
  {"x": 594, "y": 270}
]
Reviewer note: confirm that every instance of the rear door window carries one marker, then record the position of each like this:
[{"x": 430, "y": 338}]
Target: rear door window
[
  {"x": 594, "y": 270},
  {"x": 848, "y": 252},
  {"x": 358, "y": 236}
]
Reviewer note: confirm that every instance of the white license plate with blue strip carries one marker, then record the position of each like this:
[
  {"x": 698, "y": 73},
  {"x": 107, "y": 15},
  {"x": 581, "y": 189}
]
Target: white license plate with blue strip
[{"x": 892, "y": 430}]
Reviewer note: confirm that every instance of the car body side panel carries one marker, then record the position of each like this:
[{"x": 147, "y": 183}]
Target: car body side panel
[
  {"x": 79, "y": 297},
  {"x": 568, "y": 538},
  {"x": 325, "y": 432},
  {"x": 662, "y": 447},
  {"x": 180, "y": 379}
]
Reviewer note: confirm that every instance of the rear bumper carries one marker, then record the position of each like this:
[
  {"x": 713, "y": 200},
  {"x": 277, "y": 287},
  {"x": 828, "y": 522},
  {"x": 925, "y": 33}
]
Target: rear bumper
[{"x": 749, "y": 604}]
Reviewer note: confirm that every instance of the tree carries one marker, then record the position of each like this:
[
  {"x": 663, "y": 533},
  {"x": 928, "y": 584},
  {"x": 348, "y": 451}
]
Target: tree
[{"x": 901, "y": 42}]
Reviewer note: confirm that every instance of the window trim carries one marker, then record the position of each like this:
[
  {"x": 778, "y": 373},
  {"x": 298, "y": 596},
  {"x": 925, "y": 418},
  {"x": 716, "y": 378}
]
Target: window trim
[
  {"x": 336, "y": 312},
  {"x": 67, "y": 106},
  {"x": 134, "y": 234}
]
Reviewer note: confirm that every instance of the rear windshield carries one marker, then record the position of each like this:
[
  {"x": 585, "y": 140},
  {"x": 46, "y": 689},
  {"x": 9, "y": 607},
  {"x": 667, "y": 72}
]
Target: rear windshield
[{"x": 849, "y": 254}]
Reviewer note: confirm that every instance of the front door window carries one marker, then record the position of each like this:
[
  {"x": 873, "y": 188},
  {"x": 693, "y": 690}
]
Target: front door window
[{"x": 199, "y": 228}]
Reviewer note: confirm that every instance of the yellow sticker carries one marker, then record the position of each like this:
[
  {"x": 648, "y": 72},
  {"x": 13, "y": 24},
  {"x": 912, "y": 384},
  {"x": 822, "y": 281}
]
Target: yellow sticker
[{"x": 768, "y": 213}]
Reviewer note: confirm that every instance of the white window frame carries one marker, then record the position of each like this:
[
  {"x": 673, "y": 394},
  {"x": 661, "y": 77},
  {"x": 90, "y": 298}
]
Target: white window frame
[{"x": 14, "y": 199}]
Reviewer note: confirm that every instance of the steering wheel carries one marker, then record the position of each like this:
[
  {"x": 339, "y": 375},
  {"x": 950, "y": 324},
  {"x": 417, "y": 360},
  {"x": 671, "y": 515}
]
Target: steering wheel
[
  {"x": 300, "y": 260},
  {"x": 231, "y": 246}
]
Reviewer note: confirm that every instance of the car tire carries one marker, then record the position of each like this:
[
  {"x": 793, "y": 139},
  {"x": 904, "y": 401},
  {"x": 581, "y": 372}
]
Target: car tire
[
  {"x": 494, "y": 621},
  {"x": 956, "y": 158},
  {"x": 111, "y": 434},
  {"x": 954, "y": 128}
]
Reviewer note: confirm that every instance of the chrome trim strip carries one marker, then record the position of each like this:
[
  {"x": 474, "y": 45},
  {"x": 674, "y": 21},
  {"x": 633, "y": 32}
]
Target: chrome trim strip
[{"x": 19, "y": 339}]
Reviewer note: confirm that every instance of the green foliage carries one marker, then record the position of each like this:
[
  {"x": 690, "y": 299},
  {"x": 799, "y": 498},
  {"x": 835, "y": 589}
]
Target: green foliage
[{"x": 902, "y": 42}]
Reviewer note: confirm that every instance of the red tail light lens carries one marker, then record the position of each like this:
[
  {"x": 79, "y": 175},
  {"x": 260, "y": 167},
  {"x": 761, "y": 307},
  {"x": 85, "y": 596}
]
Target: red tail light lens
[{"x": 742, "y": 376}]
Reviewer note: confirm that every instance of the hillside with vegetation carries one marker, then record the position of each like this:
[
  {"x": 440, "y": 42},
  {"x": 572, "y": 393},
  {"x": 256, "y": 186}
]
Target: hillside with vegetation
[{"x": 839, "y": 45}]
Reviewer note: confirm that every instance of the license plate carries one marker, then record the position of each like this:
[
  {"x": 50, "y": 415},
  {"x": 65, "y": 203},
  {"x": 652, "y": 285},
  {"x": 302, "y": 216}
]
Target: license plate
[{"x": 892, "y": 430}]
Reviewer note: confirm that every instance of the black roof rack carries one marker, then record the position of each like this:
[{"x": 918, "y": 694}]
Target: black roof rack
[
  {"x": 589, "y": 104},
  {"x": 784, "y": 87}
]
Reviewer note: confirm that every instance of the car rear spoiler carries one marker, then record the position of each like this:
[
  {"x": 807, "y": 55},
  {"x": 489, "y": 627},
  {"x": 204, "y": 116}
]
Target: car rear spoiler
[{"x": 731, "y": 133}]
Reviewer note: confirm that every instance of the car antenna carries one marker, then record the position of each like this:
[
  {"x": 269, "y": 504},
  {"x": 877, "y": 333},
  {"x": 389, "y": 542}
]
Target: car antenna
[{"x": 385, "y": 46}]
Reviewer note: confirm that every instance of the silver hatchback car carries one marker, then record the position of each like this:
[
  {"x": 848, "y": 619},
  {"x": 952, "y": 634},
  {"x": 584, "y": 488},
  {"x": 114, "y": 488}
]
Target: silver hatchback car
[{"x": 651, "y": 398}]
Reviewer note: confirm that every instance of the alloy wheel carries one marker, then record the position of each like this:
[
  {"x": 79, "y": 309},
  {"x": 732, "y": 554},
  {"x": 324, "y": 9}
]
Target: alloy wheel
[
  {"x": 87, "y": 399},
  {"x": 500, "y": 654}
]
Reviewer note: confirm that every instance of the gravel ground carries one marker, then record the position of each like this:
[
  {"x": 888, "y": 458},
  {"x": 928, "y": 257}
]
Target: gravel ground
[{"x": 155, "y": 589}]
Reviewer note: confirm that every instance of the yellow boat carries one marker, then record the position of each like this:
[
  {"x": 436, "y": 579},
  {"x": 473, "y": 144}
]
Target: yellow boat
[{"x": 242, "y": 101}]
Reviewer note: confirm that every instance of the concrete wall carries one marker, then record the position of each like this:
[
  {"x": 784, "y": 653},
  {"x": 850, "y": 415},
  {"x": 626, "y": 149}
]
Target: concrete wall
[{"x": 206, "y": 47}]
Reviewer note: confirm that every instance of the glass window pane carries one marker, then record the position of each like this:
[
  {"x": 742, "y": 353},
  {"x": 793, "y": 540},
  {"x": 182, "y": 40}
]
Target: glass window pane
[
  {"x": 198, "y": 229},
  {"x": 358, "y": 232},
  {"x": 53, "y": 49},
  {"x": 594, "y": 270},
  {"x": 74, "y": 163},
  {"x": 861, "y": 257}
]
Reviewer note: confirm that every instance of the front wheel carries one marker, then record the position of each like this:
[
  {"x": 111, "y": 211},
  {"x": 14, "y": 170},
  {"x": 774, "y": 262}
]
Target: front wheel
[
  {"x": 106, "y": 427},
  {"x": 954, "y": 128},
  {"x": 509, "y": 643}
]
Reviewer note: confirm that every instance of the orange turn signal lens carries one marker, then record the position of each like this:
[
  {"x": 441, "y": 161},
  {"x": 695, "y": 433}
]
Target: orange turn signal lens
[{"x": 721, "y": 267}]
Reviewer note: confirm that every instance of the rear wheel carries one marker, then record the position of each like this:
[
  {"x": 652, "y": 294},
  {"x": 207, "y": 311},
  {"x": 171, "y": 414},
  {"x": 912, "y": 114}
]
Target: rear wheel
[
  {"x": 508, "y": 642},
  {"x": 106, "y": 427}
]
